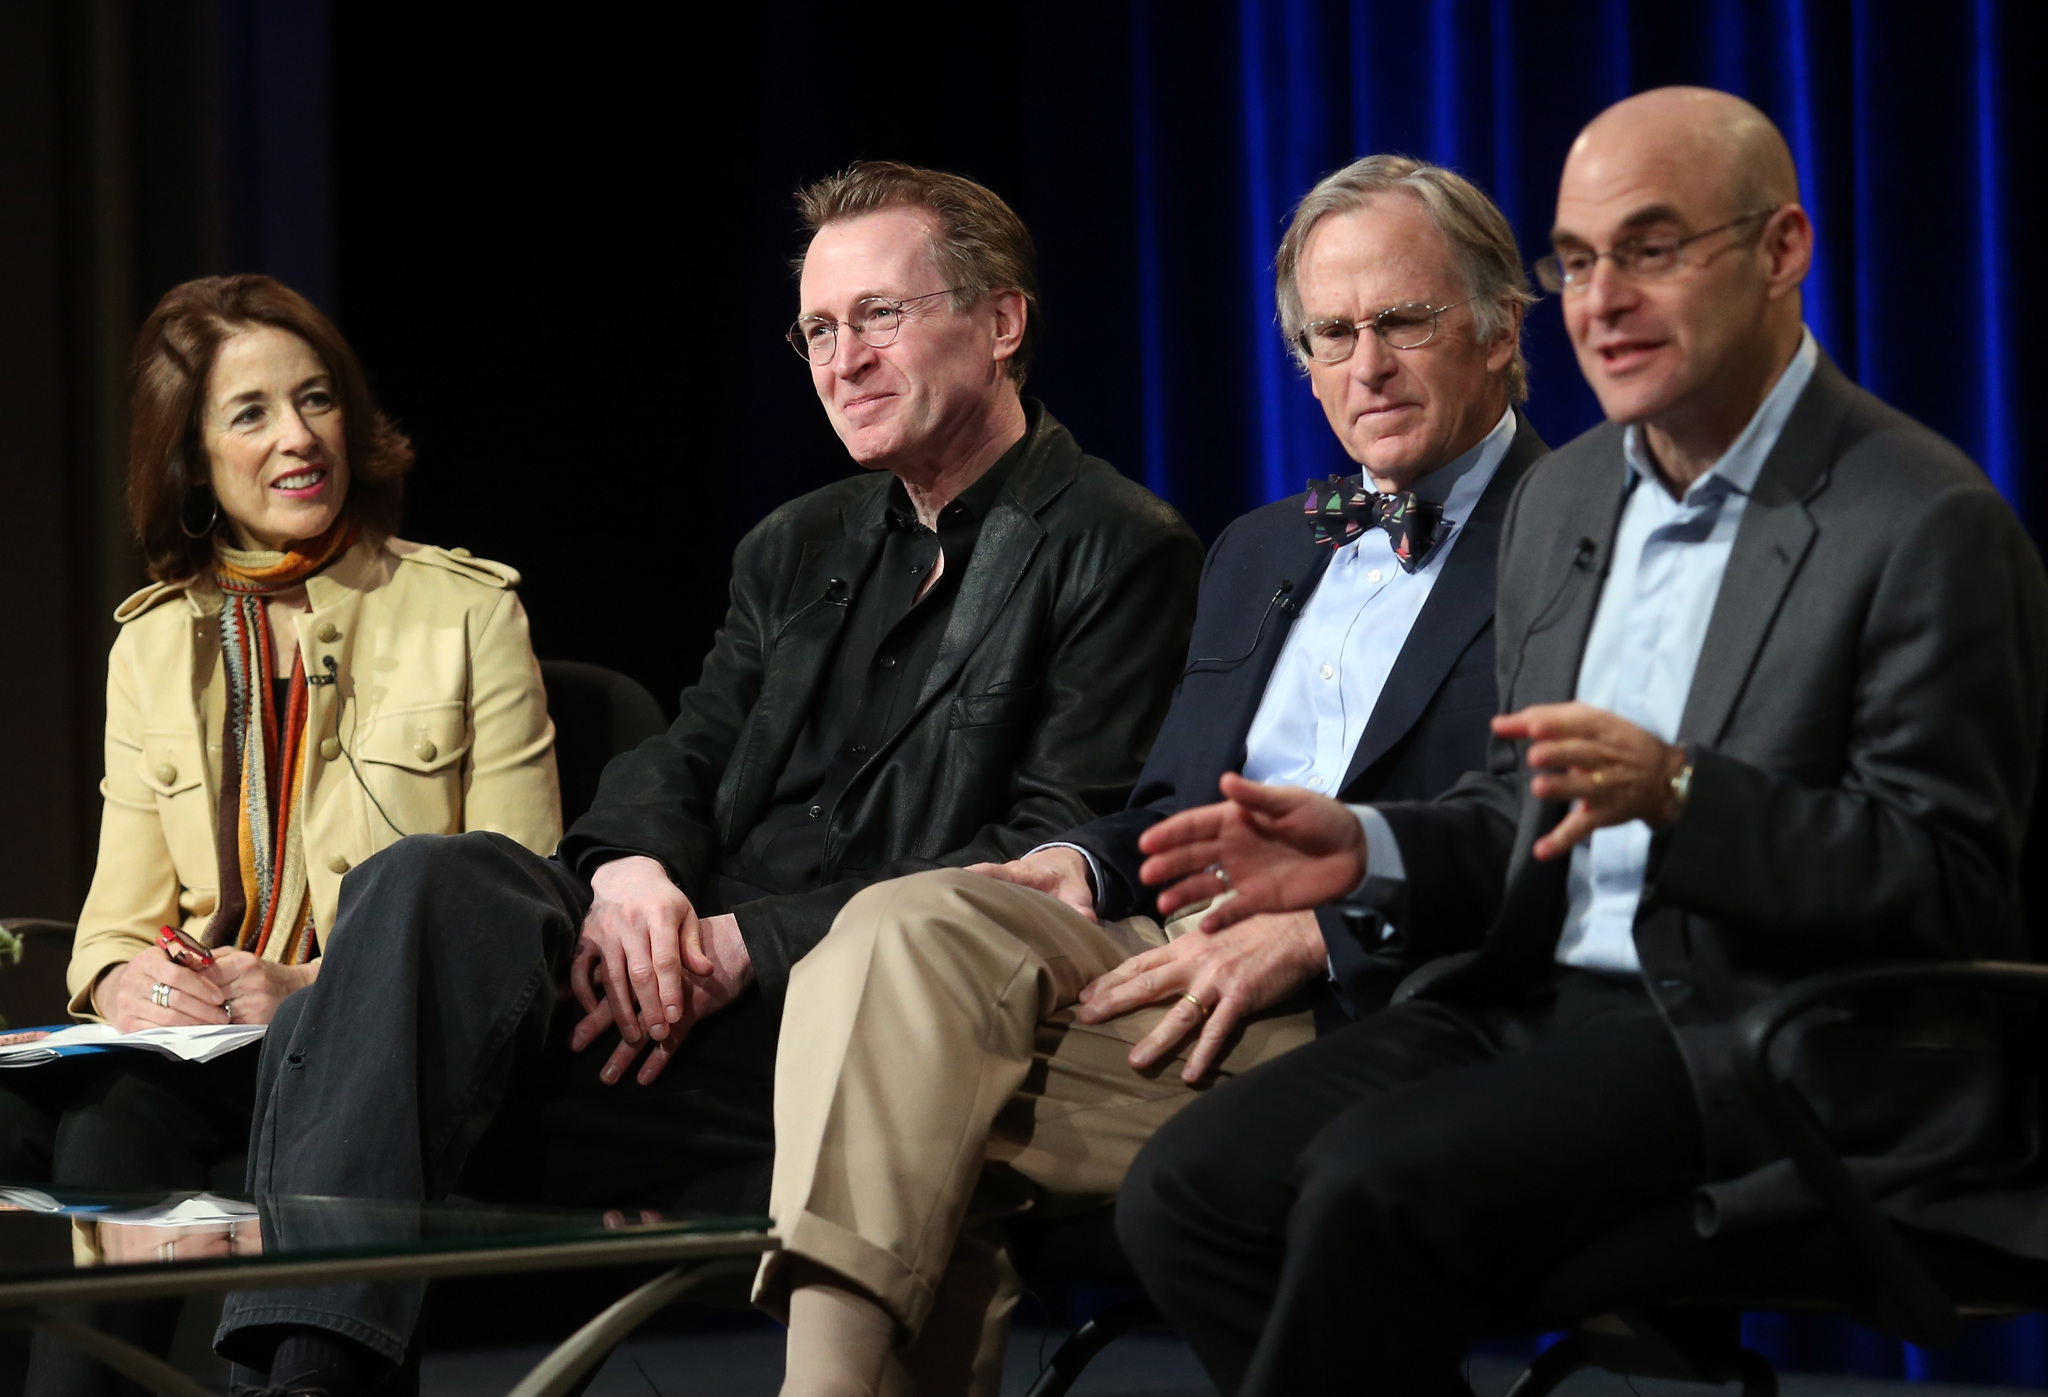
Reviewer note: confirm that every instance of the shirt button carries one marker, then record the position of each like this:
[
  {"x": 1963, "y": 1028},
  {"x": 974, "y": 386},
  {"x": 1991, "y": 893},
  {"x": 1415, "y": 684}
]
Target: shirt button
[
  {"x": 1328, "y": 672},
  {"x": 1315, "y": 783},
  {"x": 1373, "y": 576},
  {"x": 337, "y": 864},
  {"x": 816, "y": 812},
  {"x": 888, "y": 662},
  {"x": 330, "y": 748},
  {"x": 328, "y": 632}
]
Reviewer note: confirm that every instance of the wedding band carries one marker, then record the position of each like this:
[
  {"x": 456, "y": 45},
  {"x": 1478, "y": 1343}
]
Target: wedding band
[
  {"x": 1190, "y": 998},
  {"x": 228, "y": 1007},
  {"x": 167, "y": 1251},
  {"x": 160, "y": 995},
  {"x": 1221, "y": 875}
]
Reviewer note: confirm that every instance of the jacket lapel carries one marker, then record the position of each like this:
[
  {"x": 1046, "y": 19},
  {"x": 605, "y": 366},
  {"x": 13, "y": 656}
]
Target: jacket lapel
[
  {"x": 1770, "y": 544},
  {"x": 1010, "y": 538},
  {"x": 1460, "y": 606}
]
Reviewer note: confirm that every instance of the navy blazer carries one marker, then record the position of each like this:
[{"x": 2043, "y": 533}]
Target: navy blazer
[{"x": 1428, "y": 729}]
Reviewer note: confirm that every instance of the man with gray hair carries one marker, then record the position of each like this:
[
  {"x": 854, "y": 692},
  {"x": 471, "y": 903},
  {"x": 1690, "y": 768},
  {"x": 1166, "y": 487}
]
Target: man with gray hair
[{"x": 1010, "y": 1034}]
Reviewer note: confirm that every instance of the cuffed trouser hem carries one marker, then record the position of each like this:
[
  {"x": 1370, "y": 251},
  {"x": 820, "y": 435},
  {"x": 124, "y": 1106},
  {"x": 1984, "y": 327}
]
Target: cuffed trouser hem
[
  {"x": 231, "y": 1340},
  {"x": 904, "y": 1293}
]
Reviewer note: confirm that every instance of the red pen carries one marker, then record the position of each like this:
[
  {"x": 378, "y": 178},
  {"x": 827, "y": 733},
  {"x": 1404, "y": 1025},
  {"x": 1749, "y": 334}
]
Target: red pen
[{"x": 183, "y": 949}]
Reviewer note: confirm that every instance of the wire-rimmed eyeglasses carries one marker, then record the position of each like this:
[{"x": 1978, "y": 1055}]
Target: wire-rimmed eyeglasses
[
  {"x": 876, "y": 321},
  {"x": 1408, "y": 326},
  {"x": 1644, "y": 259}
]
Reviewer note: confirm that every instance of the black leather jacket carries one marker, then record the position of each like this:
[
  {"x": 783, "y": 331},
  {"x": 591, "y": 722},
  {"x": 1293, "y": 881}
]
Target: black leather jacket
[{"x": 1052, "y": 678}]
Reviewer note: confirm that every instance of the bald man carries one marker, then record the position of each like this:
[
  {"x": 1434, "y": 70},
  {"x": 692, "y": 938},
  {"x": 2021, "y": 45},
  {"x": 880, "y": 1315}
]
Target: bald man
[{"x": 1773, "y": 662}]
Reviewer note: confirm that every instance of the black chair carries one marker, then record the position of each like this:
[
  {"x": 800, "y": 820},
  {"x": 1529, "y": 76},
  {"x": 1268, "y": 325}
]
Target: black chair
[
  {"x": 1080, "y": 1250},
  {"x": 598, "y": 713},
  {"x": 1654, "y": 1299}
]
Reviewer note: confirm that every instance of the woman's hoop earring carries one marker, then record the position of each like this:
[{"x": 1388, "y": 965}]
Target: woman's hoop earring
[{"x": 211, "y": 524}]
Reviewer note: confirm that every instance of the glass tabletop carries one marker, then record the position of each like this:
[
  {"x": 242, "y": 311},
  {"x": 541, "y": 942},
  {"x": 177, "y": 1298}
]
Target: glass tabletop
[{"x": 52, "y": 1235}]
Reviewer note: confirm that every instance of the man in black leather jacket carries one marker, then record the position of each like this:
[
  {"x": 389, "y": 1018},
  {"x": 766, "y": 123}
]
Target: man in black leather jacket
[{"x": 944, "y": 660}]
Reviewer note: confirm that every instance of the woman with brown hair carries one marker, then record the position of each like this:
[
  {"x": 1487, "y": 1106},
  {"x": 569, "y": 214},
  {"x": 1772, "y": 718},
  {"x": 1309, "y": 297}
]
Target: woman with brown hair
[{"x": 297, "y": 689}]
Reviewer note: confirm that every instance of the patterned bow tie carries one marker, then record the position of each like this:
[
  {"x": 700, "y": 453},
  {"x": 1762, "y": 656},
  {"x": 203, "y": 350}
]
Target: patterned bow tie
[{"x": 1339, "y": 511}]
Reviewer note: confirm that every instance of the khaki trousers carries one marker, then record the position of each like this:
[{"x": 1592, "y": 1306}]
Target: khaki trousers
[{"x": 930, "y": 1081}]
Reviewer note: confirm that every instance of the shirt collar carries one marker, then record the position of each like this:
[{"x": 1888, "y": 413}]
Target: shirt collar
[
  {"x": 977, "y": 499},
  {"x": 1445, "y": 481},
  {"x": 1743, "y": 461}
]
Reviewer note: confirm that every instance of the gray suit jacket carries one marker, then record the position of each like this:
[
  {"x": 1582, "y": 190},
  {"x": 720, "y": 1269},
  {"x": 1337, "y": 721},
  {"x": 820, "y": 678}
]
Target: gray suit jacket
[{"x": 1863, "y": 725}]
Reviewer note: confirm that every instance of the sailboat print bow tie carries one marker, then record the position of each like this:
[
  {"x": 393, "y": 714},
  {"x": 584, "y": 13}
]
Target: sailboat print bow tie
[{"x": 1339, "y": 511}]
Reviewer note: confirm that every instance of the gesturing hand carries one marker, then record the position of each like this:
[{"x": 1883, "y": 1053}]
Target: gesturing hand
[
  {"x": 1232, "y": 973},
  {"x": 1283, "y": 850},
  {"x": 1608, "y": 768},
  {"x": 1060, "y": 873}
]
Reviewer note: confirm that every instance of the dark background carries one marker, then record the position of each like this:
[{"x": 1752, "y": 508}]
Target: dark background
[{"x": 559, "y": 238}]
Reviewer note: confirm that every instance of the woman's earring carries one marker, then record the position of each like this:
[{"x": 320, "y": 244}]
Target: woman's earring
[{"x": 212, "y": 523}]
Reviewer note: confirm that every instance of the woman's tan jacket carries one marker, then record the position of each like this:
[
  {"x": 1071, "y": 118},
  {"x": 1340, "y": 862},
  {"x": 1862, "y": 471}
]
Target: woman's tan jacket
[{"x": 436, "y": 711}]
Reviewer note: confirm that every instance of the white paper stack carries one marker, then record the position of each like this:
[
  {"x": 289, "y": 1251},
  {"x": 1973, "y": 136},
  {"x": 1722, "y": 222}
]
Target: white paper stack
[{"x": 190, "y": 1043}]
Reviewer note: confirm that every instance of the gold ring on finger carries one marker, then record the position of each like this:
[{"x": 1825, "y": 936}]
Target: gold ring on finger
[
  {"x": 1599, "y": 777},
  {"x": 160, "y": 995},
  {"x": 1190, "y": 998}
]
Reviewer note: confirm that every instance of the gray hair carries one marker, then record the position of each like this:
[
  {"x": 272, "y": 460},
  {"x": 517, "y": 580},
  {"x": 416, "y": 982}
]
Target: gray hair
[{"x": 1476, "y": 230}]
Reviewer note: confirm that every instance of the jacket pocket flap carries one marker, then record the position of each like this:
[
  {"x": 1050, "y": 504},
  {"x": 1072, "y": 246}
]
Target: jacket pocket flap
[
  {"x": 984, "y": 710},
  {"x": 427, "y": 738},
  {"x": 171, "y": 762}
]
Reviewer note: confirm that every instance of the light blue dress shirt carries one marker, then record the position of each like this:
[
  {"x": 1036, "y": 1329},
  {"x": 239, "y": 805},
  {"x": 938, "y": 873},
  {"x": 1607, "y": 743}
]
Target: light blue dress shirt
[
  {"x": 1342, "y": 647},
  {"x": 1340, "y": 651},
  {"x": 1669, "y": 558}
]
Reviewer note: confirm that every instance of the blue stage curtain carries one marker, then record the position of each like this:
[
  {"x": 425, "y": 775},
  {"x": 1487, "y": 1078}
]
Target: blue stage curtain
[
  {"x": 1917, "y": 164},
  {"x": 1899, "y": 117}
]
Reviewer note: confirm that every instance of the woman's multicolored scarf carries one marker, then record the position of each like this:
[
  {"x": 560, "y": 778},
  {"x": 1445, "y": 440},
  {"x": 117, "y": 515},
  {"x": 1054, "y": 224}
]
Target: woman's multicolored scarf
[{"x": 264, "y": 907}]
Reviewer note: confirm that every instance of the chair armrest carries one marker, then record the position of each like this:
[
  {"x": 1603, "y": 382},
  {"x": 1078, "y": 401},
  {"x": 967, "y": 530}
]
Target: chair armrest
[{"x": 1917, "y": 1305}]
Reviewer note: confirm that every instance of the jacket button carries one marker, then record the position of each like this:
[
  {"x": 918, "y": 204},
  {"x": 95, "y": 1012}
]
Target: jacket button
[
  {"x": 328, "y": 632},
  {"x": 816, "y": 812},
  {"x": 330, "y": 748},
  {"x": 888, "y": 662},
  {"x": 337, "y": 864},
  {"x": 425, "y": 750},
  {"x": 166, "y": 774},
  {"x": 460, "y": 553}
]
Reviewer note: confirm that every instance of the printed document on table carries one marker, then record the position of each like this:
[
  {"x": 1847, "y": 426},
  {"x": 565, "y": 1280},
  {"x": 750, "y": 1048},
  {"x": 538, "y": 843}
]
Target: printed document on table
[{"x": 187, "y": 1043}]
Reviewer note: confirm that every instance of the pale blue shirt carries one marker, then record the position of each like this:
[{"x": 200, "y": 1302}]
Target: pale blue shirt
[
  {"x": 1340, "y": 651},
  {"x": 1669, "y": 559},
  {"x": 1342, "y": 647}
]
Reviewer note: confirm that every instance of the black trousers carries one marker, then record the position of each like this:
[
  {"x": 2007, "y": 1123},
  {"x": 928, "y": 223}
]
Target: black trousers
[
  {"x": 133, "y": 1122},
  {"x": 431, "y": 1058},
  {"x": 1338, "y": 1220}
]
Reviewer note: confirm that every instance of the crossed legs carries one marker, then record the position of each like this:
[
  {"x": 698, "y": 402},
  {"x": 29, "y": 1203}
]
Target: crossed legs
[{"x": 932, "y": 1082}]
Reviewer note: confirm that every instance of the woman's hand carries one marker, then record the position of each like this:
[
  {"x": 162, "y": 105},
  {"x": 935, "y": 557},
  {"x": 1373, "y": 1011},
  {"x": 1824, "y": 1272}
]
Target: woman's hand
[
  {"x": 124, "y": 997},
  {"x": 253, "y": 987}
]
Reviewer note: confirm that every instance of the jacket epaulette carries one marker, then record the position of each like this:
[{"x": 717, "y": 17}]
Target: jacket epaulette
[
  {"x": 148, "y": 599},
  {"x": 456, "y": 560}
]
